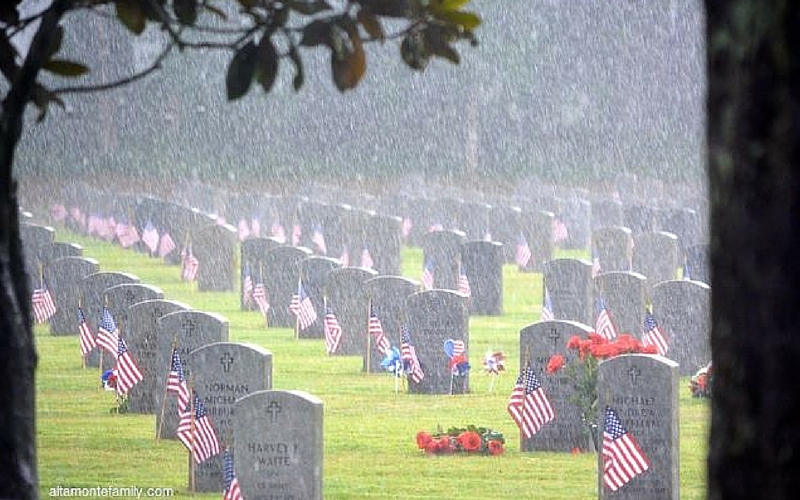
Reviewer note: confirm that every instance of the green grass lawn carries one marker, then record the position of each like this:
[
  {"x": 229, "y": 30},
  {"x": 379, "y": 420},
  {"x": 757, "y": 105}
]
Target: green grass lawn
[{"x": 369, "y": 429}]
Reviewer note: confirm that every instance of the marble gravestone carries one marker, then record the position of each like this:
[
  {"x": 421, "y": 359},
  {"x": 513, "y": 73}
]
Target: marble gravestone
[
  {"x": 142, "y": 338},
  {"x": 570, "y": 287},
  {"x": 606, "y": 213},
  {"x": 613, "y": 247},
  {"x": 278, "y": 445},
  {"x": 442, "y": 249},
  {"x": 281, "y": 278},
  {"x": 577, "y": 216},
  {"x": 34, "y": 238},
  {"x": 215, "y": 248},
  {"x": 387, "y": 296},
  {"x": 682, "y": 309},
  {"x": 697, "y": 264},
  {"x": 656, "y": 255},
  {"x": 57, "y": 250},
  {"x": 643, "y": 392},
  {"x": 482, "y": 263},
  {"x": 538, "y": 342},
  {"x": 434, "y": 317},
  {"x": 537, "y": 229},
  {"x": 223, "y": 373},
  {"x": 93, "y": 288},
  {"x": 346, "y": 297},
  {"x": 383, "y": 240},
  {"x": 63, "y": 277},
  {"x": 187, "y": 331},
  {"x": 624, "y": 294}
]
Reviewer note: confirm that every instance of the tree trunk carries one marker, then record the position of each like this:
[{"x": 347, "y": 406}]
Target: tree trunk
[
  {"x": 754, "y": 174},
  {"x": 18, "y": 472}
]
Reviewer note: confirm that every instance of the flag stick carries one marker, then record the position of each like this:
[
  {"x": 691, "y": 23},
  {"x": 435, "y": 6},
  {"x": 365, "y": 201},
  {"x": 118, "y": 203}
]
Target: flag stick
[
  {"x": 297, "y": 315},
  {"x": 166, "y": 384},
  {"x": 491, "y": 385},
  {"x": 397, "y": 367},
  {"x": 369, "y": 337},
  {"x": 192, "y": 438}
]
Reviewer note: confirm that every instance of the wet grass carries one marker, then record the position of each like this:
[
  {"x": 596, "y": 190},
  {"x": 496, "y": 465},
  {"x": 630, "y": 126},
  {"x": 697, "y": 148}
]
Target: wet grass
[{"x": 369, "y": 428}]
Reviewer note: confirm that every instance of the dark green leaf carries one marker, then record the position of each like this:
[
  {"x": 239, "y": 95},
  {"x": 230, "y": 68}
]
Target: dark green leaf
[
  {"x": 266, "y": 63},
  {"x": 298, "y": 79},
  {"x": 131, "y": 15},
  {"x": 389, "y": 8},
  {"x": 55, "y": 46},
  {"x": 309, "y": 7},
  {"x": 65, "y": 68},
  {"x": 413, "y": 51},
  {"x": 241, "y": 71},
  {"x": 371, "y": 24},
  {"x": 316, "y": 33},
  {"x": 437, "y": 43},
  {"x": 185, "y": 11},
  {"x": 466, "y": 20}
]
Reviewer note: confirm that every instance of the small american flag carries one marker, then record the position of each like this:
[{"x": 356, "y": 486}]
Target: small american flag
[
  {"x": 458, "y": 348},
  {"x": 196, "y": 432},
  {"x": 166, "y": 245},
  {"x": 366, "y": 258},
  {"x": 596, "y": 269},
  {"x": 654, "y": 335},
  {"x": 547, "y": 307},
  {"x": 463, "y": 283},
  {"x": 297, "y": 232},
  {"x": 278, "y": 232},
  {"x": 107, "y": 336},
  {"x": 150, "y": 237},
  {"x": 604, "y": 326},
  {"x": 243, "y": 229},
  {"x": 247, "y": 287},
  {"x": 409, "y": 356},
  {"x": 127, "y": 235},
  {"x": 560, "y": 233},
  {"x": 260, "y": 298},
  {"x": 176, "y": 382},
  {"x": 345, "y": 257},
  {"x": 333, "y": 332},
  {"x": 528, "y": 405},
  {"x": 87, "y": 339},
  {"x": 302, "y": 307},
  {"x": 255, "y": 227},
  {"x": 406, "y": 227},
  {"x": 523, "y": 253},
  {"x": 318, "y": 239},
  {"x": 128, "y": 373},
  {"x": 43, "y": 305},
  {"x": 427, "y": 275},
  {"x": 375, "y": 329},
  {"x": 622, "y": 457},
  {"x": 190, "y": 265},
  {"x": 231, "y": 489}
]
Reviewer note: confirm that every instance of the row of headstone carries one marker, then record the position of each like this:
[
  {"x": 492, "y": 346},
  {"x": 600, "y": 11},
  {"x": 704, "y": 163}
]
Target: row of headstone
[
  {"x": 641, "y": 391},
  {"x": 681, "y": 308}
]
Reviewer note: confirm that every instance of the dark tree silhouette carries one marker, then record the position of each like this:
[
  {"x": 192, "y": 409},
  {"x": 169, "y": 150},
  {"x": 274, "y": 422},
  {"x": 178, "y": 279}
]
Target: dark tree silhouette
[{"x": 753, "y": 50}]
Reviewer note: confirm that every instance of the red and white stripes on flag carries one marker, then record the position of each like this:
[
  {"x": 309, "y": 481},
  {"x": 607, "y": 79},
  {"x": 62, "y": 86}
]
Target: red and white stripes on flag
[
  {"x": 128, "y": 373},
  {"x": 547, "y": 307},
  {"x": 176, "y": 382},
  {"x": 409, "y": 356},
  {"x": 247, "y": 289},
  {"x": 302, "y": 307},
  {"x": 150, "y": 237},
  {"x": 166, "y": 245},
  {"x": 528, "y": 405},
  {"x": 560, "y": 233},
  {"x": 85, "y": 334},
  {"x": 623, "y": 459},
  {"x": 523, "y": 252},
  {"x": 654, "y": 335},
  {"x": 375, "y": 329},
  {"x": 463, "y": 283},
  {"x": 366, "y": 259},
  {"x": 333, "y": 332},
  {"x": 604, "y": 326},
  {"x": 107, "y": 335},
  {"x": 43, "y": 305},
  {"x": 190, "y": 265},
  {"x": 260, "y": 298},
  {"x": 427, "y": 276},
  {"x": 230, "y": 484},
  {"x": 127, "y": 235},
  {"x": 196, "y": 432}
]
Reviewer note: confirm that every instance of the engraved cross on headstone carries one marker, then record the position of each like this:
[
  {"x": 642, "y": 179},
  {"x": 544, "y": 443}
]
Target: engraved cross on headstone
[
  {"x": 226, "y": 360},
  {"x": 189, "y": 327},
  {"x": 274, "y": 408},
  {"x": 634, "y": 373},
  {"x": 554, "y": 337}
]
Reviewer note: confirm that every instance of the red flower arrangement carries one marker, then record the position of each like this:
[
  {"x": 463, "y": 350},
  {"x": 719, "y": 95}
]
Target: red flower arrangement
[
  {"x": 582, "y": 372},
  {"x": 471, "y": 440}
]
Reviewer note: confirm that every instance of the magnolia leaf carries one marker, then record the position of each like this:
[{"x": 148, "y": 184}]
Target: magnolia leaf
[
  {"x": 266, "y": 63},
  {"x": 349, "y": 64},
  {"x": 413, "y": 51},
  {"x": 389, "y": 8},
  {"x": 241, "y": 71},
  {"x": 316, "y": 33},
  {"x": 185, "y": 11},
  {"x": 131, "y": 15},
  {"x": 371, "y": 24},
  {"x": 65, "y": 68},
  {"x": 437, "y": 43},
  {"x": 309, "y": 8},
  {"x": 299, "y": 78},
  {"x": 448, "y": 4},
  {"x": 55, "y": 44}
]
